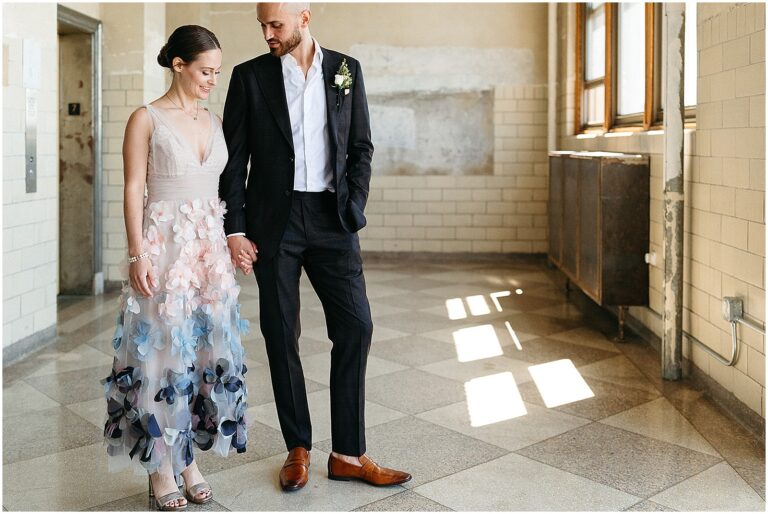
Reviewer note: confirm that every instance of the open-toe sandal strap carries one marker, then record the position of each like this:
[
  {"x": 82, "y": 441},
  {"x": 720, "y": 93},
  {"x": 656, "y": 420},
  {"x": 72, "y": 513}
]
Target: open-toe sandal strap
[
  {"x": 194, "y": 490},
  {"x": 168, "y": 498}
]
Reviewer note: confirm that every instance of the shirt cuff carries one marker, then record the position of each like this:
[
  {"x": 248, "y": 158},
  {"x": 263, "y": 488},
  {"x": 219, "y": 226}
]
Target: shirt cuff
[{"x": 236, "y": 234}]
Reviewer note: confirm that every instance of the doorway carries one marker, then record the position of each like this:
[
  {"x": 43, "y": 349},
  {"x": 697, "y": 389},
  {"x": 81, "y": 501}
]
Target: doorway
[{"x": 80, "y": 170}]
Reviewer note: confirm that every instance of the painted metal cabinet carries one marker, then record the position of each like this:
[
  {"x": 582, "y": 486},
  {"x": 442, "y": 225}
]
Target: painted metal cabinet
[{"x": 599, "y": 223}]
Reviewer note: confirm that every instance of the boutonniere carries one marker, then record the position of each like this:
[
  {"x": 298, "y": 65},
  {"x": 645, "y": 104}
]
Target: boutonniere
[{"x": 342, "y": 82}]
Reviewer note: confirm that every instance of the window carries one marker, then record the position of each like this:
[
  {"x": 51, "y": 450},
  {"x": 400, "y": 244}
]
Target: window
[{"x": 619, "y": 77}]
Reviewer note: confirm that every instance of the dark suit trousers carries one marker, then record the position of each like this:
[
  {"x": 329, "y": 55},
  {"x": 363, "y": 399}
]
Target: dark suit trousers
[{"x": 315, "y": 240}]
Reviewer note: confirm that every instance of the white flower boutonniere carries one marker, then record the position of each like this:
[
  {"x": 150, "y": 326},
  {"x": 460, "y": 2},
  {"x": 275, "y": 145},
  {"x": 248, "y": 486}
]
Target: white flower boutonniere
[{"x": 342, "y": 82}]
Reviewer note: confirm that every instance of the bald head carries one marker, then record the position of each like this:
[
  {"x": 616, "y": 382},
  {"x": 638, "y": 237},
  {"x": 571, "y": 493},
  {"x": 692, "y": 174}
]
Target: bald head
[
  {"x": 284, "y": 7},
  {"x": 294, "y": 7}
]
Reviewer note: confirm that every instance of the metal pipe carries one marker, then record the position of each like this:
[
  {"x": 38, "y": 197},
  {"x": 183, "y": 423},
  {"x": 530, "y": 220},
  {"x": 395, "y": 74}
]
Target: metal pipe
[
  {"x": 722, "y": 360},
  {"x": 757, "y": 327},
  {"x": 674, "y": 194},
  {"x": 717, "y": 356}
]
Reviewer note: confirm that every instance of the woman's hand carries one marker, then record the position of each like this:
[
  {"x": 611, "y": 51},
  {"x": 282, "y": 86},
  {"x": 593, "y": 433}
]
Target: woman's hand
[{"x": 142, "y": 277}]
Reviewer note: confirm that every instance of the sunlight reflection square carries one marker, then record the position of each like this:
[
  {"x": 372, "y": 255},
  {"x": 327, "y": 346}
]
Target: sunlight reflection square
[
  {"x": 559, "y": 383},
  {"x": 492, "y": 399},
  {"x": 475, "y": 343},
  {"x": 455, "y": 308},
  {"x": 477, "y": 305}
]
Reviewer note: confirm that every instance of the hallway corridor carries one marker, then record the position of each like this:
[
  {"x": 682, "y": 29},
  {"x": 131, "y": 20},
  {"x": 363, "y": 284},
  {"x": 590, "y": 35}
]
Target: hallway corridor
[{"x": 484, "y": 382}]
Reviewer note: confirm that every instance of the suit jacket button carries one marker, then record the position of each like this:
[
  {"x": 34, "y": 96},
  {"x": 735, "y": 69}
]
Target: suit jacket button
[
  {"x": 287, "y": 192},
  {"x": 290, "y": 159}
]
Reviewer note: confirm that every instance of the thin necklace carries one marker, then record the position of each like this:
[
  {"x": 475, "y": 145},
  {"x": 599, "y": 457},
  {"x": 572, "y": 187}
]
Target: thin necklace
[{"x": 197, "y": 110}]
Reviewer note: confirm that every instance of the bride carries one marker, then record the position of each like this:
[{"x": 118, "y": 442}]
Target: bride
[{"x": 177, "y": 380}]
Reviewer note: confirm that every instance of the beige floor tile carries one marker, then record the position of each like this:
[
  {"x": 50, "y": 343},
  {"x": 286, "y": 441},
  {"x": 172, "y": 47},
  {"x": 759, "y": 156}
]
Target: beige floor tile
[
  {"x": 21, "y": 397},
  {"x": 255, "y": 487},
  {"x": 660, "y": 420},
  {"x": 320, "y": 413},
  {"x": 413, "y": 391},
  {"x": 537, "y": 424},
  {"x": 586, "y": 336},
  {"x": 618, "y": 370},
  {"x": 527, "y": 485},
  {"x": 71, "y": 480},
  {"x": 466, "y": 371},
  {"x": 82, "y": 357},
  {"x": 94, "y": 411},
  {"x": 719, "y": 488}
]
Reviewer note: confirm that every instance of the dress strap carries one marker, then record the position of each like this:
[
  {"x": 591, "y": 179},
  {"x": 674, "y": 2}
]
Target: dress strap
[{"x": 152, "y": 115}]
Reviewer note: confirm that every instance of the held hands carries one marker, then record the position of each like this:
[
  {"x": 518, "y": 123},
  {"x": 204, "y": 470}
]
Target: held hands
[
  {"x": 142, "y": 277},
  {"x": 242, "y": 252}
]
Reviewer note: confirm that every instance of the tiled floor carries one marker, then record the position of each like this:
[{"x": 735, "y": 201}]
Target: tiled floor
[{"x": 484, "y": 382}]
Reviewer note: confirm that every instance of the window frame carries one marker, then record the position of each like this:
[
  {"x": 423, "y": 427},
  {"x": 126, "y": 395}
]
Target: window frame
[{"x": 652, "y": 116}]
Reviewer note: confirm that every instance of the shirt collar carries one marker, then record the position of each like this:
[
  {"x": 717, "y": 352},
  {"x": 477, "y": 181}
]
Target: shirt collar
[{"x": 288, "y": 59}]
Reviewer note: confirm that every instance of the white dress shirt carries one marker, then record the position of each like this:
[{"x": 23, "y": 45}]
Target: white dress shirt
[{"x": 309, "y": 124}]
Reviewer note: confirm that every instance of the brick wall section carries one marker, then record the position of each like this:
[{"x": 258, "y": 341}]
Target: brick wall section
[
  {"x": 30, "y": 220},
  {"x": 724, "y": 194},
  {"x": 503, "y": 212}
]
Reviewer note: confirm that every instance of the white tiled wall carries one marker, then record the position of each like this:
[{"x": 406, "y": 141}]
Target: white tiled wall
[{"x": 30, "y": 220}]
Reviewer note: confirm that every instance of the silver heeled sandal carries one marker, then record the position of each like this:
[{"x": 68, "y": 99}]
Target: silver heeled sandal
[{"x": 162, "y": 501}]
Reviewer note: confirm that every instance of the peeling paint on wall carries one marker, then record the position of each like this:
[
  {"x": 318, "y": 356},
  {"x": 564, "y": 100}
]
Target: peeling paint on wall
[
  {"x": 433, "y": 133},
  {"x": 432, "y": 108}
]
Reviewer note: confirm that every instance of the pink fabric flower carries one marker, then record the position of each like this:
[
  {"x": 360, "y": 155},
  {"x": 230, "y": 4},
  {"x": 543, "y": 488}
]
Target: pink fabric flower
[
  {"x": 155, "y": 241},
  {"x": 193, "y": 210},
  {"x": 184, "y": 231},
  {"x": 160, "y": 212}
]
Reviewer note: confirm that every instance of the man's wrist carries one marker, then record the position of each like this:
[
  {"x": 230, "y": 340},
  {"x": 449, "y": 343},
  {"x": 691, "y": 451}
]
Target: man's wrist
[{"x": 236, "y": 234}]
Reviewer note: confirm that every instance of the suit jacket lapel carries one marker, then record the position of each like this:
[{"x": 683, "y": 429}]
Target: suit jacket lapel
[
  {"x": 330, "y": 64},
  {"x": 270, "y": 78}
]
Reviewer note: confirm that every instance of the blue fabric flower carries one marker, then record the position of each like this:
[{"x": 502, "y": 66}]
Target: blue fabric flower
[
  {"x": 236, "y": 428},
  {"x": 144, "y": 339},
  {"x": 203, "y": 326},
  {"x": 146, "y": 430},
  {"x": 243, "y": 325},
  {"x": 221, "y": 379},
  {"x": 184, "y": 342},
  {"x": 204, "y": 420},
  {"x": 172, "y": 384}
]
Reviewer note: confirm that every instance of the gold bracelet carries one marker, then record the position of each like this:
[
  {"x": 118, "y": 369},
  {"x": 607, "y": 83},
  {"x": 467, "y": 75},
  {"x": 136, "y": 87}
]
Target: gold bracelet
[{"x": 131, "y": 260}]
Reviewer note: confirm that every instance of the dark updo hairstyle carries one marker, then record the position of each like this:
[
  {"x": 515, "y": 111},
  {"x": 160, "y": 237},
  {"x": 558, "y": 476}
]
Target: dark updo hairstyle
[{"x": 187, "y": 42}]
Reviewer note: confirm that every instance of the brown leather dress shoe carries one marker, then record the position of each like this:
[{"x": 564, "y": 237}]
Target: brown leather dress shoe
[
  {"x": 295, "y": 472},
  {"x": 369, "y": 472}
]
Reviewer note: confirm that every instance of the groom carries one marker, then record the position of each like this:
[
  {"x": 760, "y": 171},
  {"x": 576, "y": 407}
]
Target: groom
[{"x": 300, "y": 116}]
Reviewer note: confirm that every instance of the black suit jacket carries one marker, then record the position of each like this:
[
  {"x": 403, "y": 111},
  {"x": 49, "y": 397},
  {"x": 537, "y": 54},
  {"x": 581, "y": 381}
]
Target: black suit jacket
[{"x": 257, "y": 129}]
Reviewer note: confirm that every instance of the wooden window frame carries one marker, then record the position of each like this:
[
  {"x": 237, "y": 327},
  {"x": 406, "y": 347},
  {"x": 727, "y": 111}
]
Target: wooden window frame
[{"x": 652, "y": 116}]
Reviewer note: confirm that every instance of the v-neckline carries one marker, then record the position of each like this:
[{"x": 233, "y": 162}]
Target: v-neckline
[{"x": 183, "y": 141}]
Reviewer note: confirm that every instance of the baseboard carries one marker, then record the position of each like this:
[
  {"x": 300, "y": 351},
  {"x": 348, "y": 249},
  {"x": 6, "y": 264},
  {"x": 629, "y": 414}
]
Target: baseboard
[
  {"x": 724, "y": 399},
  {"x": 17, "y": 351}
]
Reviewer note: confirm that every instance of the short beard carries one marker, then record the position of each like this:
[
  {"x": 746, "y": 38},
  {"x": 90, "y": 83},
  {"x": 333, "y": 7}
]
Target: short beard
[{"x": 289, "y": 45}]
